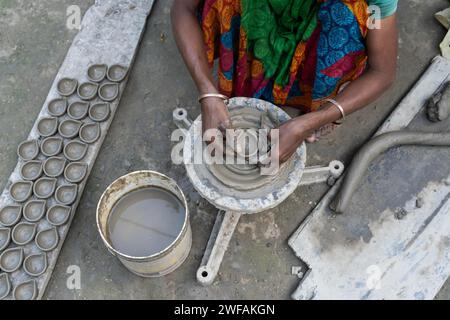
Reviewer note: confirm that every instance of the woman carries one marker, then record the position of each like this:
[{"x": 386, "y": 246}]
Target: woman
[{"x": 320, "y": 56}]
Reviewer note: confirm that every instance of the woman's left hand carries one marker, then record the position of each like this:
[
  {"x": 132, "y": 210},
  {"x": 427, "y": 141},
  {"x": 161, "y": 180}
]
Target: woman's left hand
[{"x": 291, "y": 135}]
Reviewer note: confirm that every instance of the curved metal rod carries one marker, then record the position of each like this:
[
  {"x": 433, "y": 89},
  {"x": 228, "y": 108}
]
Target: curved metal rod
[{"x": 373, "y": 149}]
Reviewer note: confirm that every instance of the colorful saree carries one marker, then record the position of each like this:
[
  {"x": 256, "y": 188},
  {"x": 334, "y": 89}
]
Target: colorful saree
[{"x": 289, "y": 52}]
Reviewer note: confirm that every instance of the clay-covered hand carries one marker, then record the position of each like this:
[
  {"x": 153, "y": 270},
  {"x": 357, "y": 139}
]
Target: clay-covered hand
[
  {"x": 291, "y": 135},
  {"x": 215, "y": 115}
]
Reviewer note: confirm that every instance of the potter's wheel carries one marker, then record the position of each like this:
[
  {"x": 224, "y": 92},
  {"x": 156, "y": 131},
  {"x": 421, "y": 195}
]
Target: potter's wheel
[{"x": 241, "y": 187}]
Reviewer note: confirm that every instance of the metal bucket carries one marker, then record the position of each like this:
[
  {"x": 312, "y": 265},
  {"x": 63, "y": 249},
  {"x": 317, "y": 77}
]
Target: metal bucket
[{"x": 165, "y": 261}]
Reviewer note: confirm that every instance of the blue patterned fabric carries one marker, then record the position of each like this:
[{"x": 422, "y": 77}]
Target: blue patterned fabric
[{"x": 340, "y": 35}]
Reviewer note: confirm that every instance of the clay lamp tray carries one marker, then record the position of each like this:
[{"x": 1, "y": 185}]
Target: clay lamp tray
[
  {"x": 20, "y": 191},
  {"x": 31, "y": 170},
  {"x": 75, "y": 150},
  {"x": 57, "y": 107},
  {"x": 28, "y": 150},
  {"x": 10, "y": 215},
  {"x": 58, "y": 215},
  {"x": 75, "y": 172},
  {"x": 35, "y": 264},
  {"x": 54, "y": 166},
  {"x": 44, "y": 188},
  {"x": 78, "y": 110},
  {"x": 117, "y": 73},
  {"x": 90, "y": 132},
  {"x": 66, "y": 194},
  {"x": 51, "y": 146},
  {"x": 87, "y": 90},
  {"x": 5, "y": 285},
  {"x": 47, "y": 239},
  {"x": 69, "y": 128},
  {"x": 99, "y": 112},
  {"x": 25, "y": 291},
  {"x": 5, "y": 238},
  {"x": 67, "y": 86},
  {"x": 47, "y": 127},
  {"x": 23, "y": 233},
  {"x": 108, "y": 92},
  {"x": 34, "y": 210},
  {"x": 97, "y": 72},
  {"x": 11, "y": 259}
]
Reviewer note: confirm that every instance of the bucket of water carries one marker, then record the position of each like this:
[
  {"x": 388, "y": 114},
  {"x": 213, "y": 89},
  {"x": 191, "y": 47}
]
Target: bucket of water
[{"x": 143, "y": 219}]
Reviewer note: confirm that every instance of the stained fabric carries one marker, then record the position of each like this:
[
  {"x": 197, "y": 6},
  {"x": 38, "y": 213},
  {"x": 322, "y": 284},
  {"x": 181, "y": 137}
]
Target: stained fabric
[{"x": 301, "y": 54}]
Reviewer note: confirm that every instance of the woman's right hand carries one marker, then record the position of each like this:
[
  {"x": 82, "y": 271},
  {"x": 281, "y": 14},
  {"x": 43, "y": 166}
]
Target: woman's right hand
[{"x": 215, "y": 115}]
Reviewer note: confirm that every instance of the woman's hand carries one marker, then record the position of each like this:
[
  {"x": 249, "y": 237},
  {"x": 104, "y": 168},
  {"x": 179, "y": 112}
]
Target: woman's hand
[
  {"x": 291, "y": 135},
  {"x": 215, "y": 115}
]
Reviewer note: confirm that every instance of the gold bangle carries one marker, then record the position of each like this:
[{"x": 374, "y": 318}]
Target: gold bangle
[
  {"x": 341, "y": 110},
  {"x": 212, "y": 95}
]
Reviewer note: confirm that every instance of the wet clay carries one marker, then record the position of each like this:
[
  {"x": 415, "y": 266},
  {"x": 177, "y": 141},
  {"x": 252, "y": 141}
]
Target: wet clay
[
  {"x": 75, "y": 150},
  {"x": 54, "y": 166},
  {"x": 35, "y": 264},
  {"x": 11, "y": 259},
  {"x": 87, "y": 90},
  {"x": 78, "y": 110},
  {"x": 47, "y": 126},
  {"x": 66, "y": 194},
  {"x": 51, "y": 146},
  {"x": 20, "y": 191},
  {"x": 23, "y": 233},
  {"x": 10, "y": 215},
  {"x": 75, "y": 172},
  {"x": 145, "y": 222},
  {"x": 69, "y": 128},
  {"x": 57, "y": 107},
  {"x": 99, "y": 111},
  {"x": 34, "y": 210},
  {"x": 58, "y": 215},
  {"x": 47, "y": 239},
  {"x": 44, "y": 187},
  {"x": 25, "y": 291},
  {"x": 117, "y": 72},
  {"x": 108, "y": 92},
  {"x": 90, "y": 132},
  {"x": 5, "y": 238},
  {"x": 97, "y": 72},
  {"x": 245, "y": 176},
  {"x": 438, "y": 107},
  {"x": 67, "y": 86},
  {"x": 31, "y": 170},
  {"x": 28, "y": 150},
  {"x": 5, "y": 285}
]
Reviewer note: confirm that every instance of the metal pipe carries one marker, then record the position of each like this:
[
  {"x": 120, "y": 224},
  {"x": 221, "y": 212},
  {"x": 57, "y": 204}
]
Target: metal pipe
[{"x": 373, "y": 149}]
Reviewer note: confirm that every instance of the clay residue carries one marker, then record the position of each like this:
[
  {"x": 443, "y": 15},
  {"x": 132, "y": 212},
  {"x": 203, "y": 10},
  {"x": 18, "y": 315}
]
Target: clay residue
[{"x": 246, "y": 176}]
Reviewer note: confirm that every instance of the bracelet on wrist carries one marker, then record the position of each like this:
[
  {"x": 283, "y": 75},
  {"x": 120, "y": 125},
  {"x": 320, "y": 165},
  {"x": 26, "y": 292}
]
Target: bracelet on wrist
[{"x": 212, "y": 95}]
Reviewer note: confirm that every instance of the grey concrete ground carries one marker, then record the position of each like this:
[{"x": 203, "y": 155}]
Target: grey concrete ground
[{"x": 33, "y": 42}]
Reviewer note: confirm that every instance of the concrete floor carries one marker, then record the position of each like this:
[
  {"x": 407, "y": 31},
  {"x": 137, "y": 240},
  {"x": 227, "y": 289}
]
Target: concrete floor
[{"x": 33, "y": 43}]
